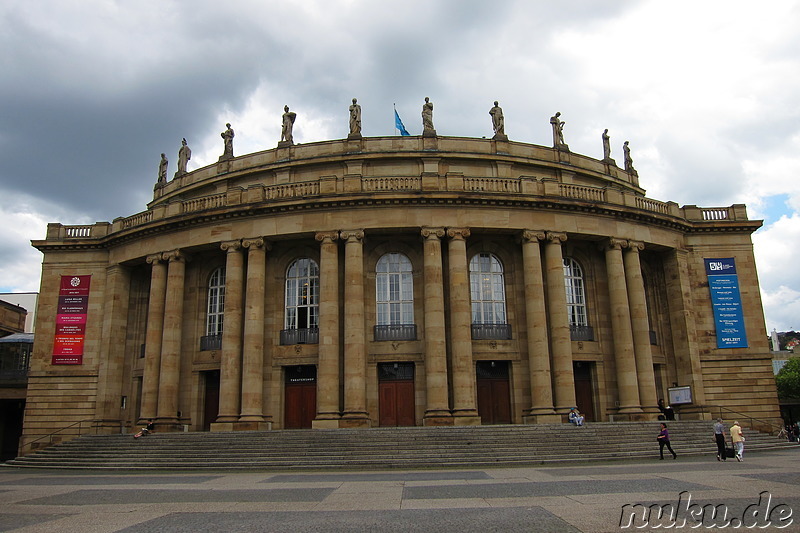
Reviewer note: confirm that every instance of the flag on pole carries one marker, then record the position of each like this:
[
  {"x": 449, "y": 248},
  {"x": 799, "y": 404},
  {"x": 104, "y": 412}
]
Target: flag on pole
[{"x": 399, "y": 124}]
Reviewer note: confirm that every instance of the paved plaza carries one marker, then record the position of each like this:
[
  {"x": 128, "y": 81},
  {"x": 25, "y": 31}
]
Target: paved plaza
[{"x": 588, "y": 497}]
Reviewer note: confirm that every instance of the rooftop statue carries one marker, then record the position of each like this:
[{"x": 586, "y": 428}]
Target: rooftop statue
[
  {"x": 427, "y": 118},
  {"x": 558, "y": 132},
  {"x": 162, "y": 170},
  {"x": 287, "y": 123},
  {"x": 184, "y": 155},
  {"x": 355, "y": 119},
  {"x": 227, "y": 138},
  {"x": 607, "y": 148},
  {"x": 498, "y": 122}
]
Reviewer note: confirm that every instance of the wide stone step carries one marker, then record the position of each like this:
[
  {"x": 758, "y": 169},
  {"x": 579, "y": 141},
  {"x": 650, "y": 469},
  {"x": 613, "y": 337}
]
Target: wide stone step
[{"x": 379, "y": 448}]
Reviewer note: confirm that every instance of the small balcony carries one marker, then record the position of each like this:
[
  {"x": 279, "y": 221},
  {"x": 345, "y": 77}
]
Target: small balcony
[
  {"x": 491, "y": 331},
  {"x": 299, "y": 336},
  {"x": 581, "y": 333},
  {"x": 210, "y": 342},
  {"x": 396, "y": 332}
]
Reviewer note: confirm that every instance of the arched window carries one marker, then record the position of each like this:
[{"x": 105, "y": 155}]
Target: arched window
[
  {"x": 302, "y": 303},
  {"x": 576, "y": 301},
  {"x": 394, "y": 298},
  {"x": 215, "y": 311},
  {"x": 488, "y": 295}
]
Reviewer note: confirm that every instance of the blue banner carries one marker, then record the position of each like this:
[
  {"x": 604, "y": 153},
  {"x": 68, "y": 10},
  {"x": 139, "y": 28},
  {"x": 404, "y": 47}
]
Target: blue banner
[{"x": 723, "y": 283}]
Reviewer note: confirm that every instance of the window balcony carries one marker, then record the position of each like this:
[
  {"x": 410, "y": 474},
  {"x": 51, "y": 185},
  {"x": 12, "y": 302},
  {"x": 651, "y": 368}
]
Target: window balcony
[
  {"x": 396, "y": 332},
  {"x": 581, "y": 333},
  {"x": 299, "y": 336},
  {"x": 210, "y": 342},
  {"x": 491, "y": 331}
]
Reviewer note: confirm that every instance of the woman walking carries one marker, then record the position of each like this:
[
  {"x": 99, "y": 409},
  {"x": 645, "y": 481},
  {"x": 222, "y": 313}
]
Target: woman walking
[{"x": 663, "y": 440}]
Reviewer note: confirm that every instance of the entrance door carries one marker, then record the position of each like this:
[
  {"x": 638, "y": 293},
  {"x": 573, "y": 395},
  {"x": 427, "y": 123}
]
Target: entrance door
[
  {"x": 300, "y": 398},
  {"x": 584, "y": 395},
  {"x": 396, "y": 394},
  {"x": 211, "y": 404},
  {"x": 494, "y": 392}
]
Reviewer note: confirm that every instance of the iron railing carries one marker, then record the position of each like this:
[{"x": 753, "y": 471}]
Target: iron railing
[
  {"x": 210, "y": 342},
  {"x": 581, "y": 333},
  {"x": 299, "y": 336},
  {"x": 491, "y": 331},
  {"x": 396, "y": 332}
]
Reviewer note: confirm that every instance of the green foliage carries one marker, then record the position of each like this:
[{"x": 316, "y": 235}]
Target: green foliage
[{"x": 788, "y": 379}]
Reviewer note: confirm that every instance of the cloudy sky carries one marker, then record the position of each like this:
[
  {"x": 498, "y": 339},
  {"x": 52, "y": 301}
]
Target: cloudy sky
[{"x": 93, "y": 91}]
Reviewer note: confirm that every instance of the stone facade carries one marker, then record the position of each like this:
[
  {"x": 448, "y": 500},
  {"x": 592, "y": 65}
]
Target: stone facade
[{"x": 398, "y": 281}]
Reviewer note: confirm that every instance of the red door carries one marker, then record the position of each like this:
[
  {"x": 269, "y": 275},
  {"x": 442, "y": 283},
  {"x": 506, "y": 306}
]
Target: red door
[
  {"x": 584, "y": 395},
  {"x": 396, "y": 394},
  {"x": 211, "y": 404},
  {"x": 494, "y": 392},
  {"x": 300, "y": 405}
]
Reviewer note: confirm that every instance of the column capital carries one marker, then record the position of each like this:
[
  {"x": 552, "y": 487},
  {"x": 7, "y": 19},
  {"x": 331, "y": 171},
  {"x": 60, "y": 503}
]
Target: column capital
[
  {"x": 153, "y": 259},
  {"x": 556, "y": 237},
  {"x": 432, "y": 233},
  {"x": 635, "y": 246},
  {"x": 327, "y": 236},
  {"x": 175, "y": 256},
  {"x": 256, "y": 242},
  {"x": 352, "y": 234},
  {"x": 529, "y": 235},
  {"x": 231, "y": 246},
  {"x": 614, "y": 243},
  {"x": 458, "y": 234}
]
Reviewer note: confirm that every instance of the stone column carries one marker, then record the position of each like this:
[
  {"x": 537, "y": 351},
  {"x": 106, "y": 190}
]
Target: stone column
[
  {"x": 355, "y": 349},
  {"x": 437, "y": 410},
  {"x": 688, "y": 367},
  {"x": 627, "y": 382},
  {"x": 230, "y": 368},
  {"x": 560, "y": 340},
  {"x": 167, "y": 417},
  {"x": 328, "y": 410},
  {"x": 465, "y": 411},
  {"x": 112, "y": 355},
  {"x": 640, "y": 326},
  {"x": 153, "y": 335},
  {"x": 252, "y": 416},
  {"x": 536, "y": 328}
]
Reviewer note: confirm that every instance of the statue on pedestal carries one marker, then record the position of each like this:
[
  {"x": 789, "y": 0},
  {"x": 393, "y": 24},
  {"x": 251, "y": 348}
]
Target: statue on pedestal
[
  {"x": 558, "y": 132},
  {"x": 427, "y": 118},
  {"x": 227, "y": 138},
  {"x": 184, "y": 155},
  {"x": 355, "y": 120},
  {"x": 162, "y": 170},
  {"x": 498, "y": 122},
  {"x": 287, "y": 124}
]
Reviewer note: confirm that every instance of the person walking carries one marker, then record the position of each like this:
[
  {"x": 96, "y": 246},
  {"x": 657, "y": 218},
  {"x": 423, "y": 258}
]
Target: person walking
[
  {"x": 719, "y": 436},
  {"x": 738, "y": 440},
  {"x": 663, "y": 440}
]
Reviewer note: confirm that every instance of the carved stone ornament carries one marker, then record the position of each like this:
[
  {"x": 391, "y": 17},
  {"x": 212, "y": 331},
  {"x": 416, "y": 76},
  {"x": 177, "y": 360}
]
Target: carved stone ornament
[
  {"x": 458, "y": 233},
  {"x": 556, "y": 237},
  {"x": 529, "y": 235},
  {"x": 327, "y": 236},
  {"x": 354, "y": 234},
  {"x": 432, "y": 233}
]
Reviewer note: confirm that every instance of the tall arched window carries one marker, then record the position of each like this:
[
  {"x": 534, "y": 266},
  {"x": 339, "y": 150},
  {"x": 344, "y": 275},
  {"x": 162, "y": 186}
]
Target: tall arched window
[
  {"x": 215, "y": 311},
  {"x": 394, "y": 298},
  {"x": 302, "y": 303},
  {"x": 576, "y": 301},
  {"x": 488, "y": 296}
]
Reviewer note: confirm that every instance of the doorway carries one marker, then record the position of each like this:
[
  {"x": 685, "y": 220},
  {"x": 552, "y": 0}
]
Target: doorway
[
  {"x": 211, "y": 401},
  {"x": 396, "y": 394},
  {"x": 494, "y": 392},
  {"x": 584, "y": 392},
  {"x": 300, "y": 397}
]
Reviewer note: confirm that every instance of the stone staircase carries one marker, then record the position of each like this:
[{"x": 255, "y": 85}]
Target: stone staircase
[{"x": 383, "y": 448}]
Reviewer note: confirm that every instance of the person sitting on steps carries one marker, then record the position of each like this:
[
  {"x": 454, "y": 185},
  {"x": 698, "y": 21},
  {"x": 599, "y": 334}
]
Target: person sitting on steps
[
  {"x": 145, "y": 430},
  {"x": 575, "y": 417}
]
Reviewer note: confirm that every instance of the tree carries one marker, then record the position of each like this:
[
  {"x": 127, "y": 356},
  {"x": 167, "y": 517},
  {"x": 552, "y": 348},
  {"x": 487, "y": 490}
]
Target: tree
[{"x": 788, "y": 379}]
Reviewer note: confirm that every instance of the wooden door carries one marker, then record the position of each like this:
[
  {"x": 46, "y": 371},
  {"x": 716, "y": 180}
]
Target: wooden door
[
  {"x": 396, "y": 394},
  {"x": 494, "y": 392},
  {"x": 211, "y": 403},
  {"x": 300, "y": 398},
  {"x": 584, "y": 393}
]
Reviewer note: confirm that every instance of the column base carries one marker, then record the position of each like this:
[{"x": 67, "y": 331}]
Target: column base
[
  {"x": 167, "y": 425},
  {"x": 466, "y": 417},
  {"x": 542, "y": 418},
  {"x": 246, "y": 425},
  {"x": 357, "y": 419},
  {"x": 221, "y": 426},
  {"x": 325, "y": 423},
  {"x": 437, "y": 417}
]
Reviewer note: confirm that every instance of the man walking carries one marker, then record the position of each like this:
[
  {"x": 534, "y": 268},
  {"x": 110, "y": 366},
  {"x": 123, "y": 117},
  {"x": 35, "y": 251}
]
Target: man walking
[
  {"x": 719, "y": 436},
  {"x": 738, "y": 440}
]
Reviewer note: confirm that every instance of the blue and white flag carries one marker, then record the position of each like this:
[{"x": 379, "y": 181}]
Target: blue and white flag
[{"x": 399, "y": 125}]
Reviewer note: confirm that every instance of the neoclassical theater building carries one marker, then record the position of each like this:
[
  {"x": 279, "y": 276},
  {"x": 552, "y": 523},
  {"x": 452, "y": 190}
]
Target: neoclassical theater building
[{"x": 398, "y": 281}]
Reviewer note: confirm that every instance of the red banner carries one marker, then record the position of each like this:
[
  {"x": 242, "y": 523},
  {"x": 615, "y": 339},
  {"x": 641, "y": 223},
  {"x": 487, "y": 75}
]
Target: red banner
[{"x": 73, "y": 306}]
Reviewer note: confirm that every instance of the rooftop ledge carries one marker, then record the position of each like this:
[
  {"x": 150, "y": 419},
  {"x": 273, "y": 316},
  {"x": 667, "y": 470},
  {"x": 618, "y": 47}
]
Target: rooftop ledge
[{"x": 345, "y": 168}]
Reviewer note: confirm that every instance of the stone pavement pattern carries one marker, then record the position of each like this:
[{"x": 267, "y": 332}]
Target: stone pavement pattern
[{"x": 585, "y": 498}]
